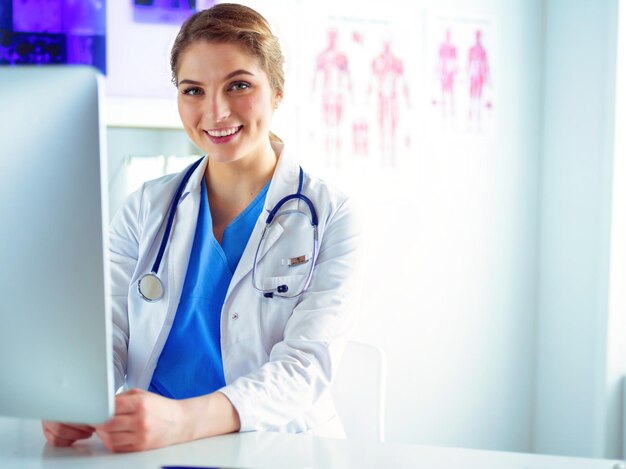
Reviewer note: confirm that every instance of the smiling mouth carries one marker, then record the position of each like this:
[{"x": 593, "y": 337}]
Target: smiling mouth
[{"x": 221, "y": 133}]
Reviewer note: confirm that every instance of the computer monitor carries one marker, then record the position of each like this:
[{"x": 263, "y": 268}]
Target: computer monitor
[{"x": 55, "y": 331}]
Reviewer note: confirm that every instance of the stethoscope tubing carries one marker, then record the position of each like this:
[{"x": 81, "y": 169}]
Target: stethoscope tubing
[
  {"x": 154, "y": 289},
  {"x": 280, "y": 291},
  {"x": 150, "y": 286},
  {"x": 307, "y": 281},
  {"x": 172, "y": 214}
]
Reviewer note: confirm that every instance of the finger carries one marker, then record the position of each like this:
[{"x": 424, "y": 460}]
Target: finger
[
  {"x": 126, "y": 403},
  {"x": 115, "y": 441},
  {"x": 84, "y": 428},
  {"x": 76, "y": 426},
  {"x": 67, "y": 432},
  {"x": 127, "y": 449},
  {"x": 120, "y": 439},
  {"x": 55, "y": 440},
  {"x": 123, "y": 405},
  {"x": 119, "y": 423}
]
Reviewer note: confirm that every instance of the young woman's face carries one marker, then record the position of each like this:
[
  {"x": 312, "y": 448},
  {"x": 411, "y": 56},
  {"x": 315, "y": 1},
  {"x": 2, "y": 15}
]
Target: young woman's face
[{"x": 225, "y": 101}]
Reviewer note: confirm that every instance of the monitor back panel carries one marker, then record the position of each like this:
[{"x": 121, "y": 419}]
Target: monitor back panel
[{"x": 55, "y": 341}]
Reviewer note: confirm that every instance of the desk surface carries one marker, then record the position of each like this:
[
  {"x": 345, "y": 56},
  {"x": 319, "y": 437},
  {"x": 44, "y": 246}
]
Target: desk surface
[{"x": 22, "y": 446}]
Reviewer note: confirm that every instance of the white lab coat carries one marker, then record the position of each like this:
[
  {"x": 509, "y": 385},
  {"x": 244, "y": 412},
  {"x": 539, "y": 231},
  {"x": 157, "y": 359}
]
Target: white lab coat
[{"x": 279, "y": 355}]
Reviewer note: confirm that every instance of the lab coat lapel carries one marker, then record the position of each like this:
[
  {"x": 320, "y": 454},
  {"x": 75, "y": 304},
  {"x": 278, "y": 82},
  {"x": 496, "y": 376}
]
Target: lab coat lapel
[
  {"x": 284, "y": 182},
  {"x": 182, "y": 236},
  {"x": 155, "y": 316}
]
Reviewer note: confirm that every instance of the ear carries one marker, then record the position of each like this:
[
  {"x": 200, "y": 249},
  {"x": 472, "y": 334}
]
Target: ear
[{"x": 278, "y": 97}]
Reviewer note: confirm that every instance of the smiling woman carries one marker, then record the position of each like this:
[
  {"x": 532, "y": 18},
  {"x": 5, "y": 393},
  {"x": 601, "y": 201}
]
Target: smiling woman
[
  {"x": 226, "y": 103},
  {"x": 233, "y": 282}
]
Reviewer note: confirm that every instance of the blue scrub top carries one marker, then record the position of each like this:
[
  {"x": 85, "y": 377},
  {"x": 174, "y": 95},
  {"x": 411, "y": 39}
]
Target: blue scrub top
[{"x": 190, "y": 364}]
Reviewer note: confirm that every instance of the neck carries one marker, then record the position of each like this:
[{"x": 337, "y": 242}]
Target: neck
[{"x": 239, "y": 181}]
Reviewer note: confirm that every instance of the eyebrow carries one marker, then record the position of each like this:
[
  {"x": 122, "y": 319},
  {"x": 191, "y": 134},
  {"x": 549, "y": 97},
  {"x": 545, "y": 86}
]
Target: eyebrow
[
  {"x": 227, "y": 77},
  {"x": 239, "y": 72}
]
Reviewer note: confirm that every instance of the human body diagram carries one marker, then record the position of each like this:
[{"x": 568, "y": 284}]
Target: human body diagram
[
  {"x": 332, "y": 77},
  {"x": 447, "y": 69},
  {"x": 478, "y": 74},
  {"x": 461, "y": 77},
  {"x": 360, "y": 97},
  {"x": 387, "y": 81}
]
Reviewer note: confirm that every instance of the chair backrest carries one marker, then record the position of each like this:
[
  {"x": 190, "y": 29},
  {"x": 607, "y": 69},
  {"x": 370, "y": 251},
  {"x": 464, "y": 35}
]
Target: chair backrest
[{"x": 359, "y": 392}]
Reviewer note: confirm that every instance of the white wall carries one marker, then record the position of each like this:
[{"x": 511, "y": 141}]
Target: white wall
[
  {"x": 450, "y": 289},
  {"x": 572, "y": 393}
]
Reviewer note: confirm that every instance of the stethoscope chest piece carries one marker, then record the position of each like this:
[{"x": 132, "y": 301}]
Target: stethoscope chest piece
[{"x": 150, "y": 287}]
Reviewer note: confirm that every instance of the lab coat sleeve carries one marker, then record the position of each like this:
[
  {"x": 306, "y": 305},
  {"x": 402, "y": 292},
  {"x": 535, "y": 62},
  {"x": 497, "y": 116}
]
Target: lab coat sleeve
[
  {"x": 301, "y": 367},
  {"x": 124, "y": 235}
]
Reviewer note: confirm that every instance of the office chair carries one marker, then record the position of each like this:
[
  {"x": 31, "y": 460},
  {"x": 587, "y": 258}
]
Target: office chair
[{"x": 359, "y": 392}]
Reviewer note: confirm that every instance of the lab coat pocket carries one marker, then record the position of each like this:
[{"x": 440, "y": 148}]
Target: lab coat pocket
[
  {"x": 294, "y": 282},
  {"x": 276, "y": 311}
]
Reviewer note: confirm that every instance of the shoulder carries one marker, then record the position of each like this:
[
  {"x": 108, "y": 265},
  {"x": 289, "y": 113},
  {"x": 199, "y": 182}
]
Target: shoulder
[
  {"x": 323, "y": 192},
  {"x": 157, "y": 187},
  {"x": 157, "y": 193},
  {"x": 326, "y": 197},
  {"x": 334, "y": 207},
  {"x": 152, "y": 197}
]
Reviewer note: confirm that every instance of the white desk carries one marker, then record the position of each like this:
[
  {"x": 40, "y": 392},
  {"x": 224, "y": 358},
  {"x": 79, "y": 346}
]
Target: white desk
[{"x": 22, "y": 446}]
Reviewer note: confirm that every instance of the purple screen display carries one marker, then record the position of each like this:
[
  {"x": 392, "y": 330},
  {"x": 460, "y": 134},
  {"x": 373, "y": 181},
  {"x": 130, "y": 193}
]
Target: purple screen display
[
  {"x": 53, "y": 32},
  {"x": 167, "y": 11}
]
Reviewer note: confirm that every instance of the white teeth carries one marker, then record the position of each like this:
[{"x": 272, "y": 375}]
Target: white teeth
[{"x": 222, "y": 132}]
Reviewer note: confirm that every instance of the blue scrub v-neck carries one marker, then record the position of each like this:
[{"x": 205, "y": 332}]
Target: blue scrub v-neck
[{"x": 190, "y": 364}]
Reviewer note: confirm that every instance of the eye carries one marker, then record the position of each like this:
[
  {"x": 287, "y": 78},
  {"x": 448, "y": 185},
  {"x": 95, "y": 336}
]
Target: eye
[
  {"x": 192, "y": 91},
  {"x": 239, "y": 86}
]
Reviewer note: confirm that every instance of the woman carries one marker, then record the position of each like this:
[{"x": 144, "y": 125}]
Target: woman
[{"x": 222, "y": 351}]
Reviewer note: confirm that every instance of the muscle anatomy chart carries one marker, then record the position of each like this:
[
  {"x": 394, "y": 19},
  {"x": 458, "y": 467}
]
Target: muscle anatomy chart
[
  {"x": 460, "y": 56},
  {"x": 358, "y": 111}
]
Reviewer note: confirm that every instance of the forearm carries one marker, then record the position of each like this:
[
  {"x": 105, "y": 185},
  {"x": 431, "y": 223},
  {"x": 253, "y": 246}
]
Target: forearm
[{"x": 209, "y": 415}]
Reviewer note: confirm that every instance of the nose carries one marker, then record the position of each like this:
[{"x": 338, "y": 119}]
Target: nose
[{"x": 218, "y": 109}]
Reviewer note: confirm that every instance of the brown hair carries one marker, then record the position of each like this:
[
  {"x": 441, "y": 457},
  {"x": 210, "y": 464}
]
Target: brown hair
[
  {"x": 239, "y": 25},
  {"x": 235, "y": 24}
]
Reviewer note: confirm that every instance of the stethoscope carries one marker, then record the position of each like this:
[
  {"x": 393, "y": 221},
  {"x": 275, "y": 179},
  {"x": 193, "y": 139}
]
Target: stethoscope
[{"x": 151, "y": 287}]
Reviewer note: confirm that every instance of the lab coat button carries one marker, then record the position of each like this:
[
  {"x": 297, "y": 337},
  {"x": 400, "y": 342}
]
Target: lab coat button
[{"x": 235, "y": 316}]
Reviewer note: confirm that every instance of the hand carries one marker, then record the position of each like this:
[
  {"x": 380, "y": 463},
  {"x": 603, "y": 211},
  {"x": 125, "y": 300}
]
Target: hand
[
  {"x": 65, "y": 434},
  {"x": 142, "y": 420}
]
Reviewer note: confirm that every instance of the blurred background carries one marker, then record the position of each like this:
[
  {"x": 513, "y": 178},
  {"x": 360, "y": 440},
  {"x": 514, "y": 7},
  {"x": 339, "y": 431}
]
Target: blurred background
[{"x": 481, "y": 141}]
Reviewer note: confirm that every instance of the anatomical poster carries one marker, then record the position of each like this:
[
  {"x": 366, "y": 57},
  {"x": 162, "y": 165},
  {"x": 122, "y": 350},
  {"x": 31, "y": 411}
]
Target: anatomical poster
[{"x": 460, "y": 65}]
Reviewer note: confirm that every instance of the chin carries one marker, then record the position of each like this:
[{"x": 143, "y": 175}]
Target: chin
[{"x": 224, "y": 157}]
